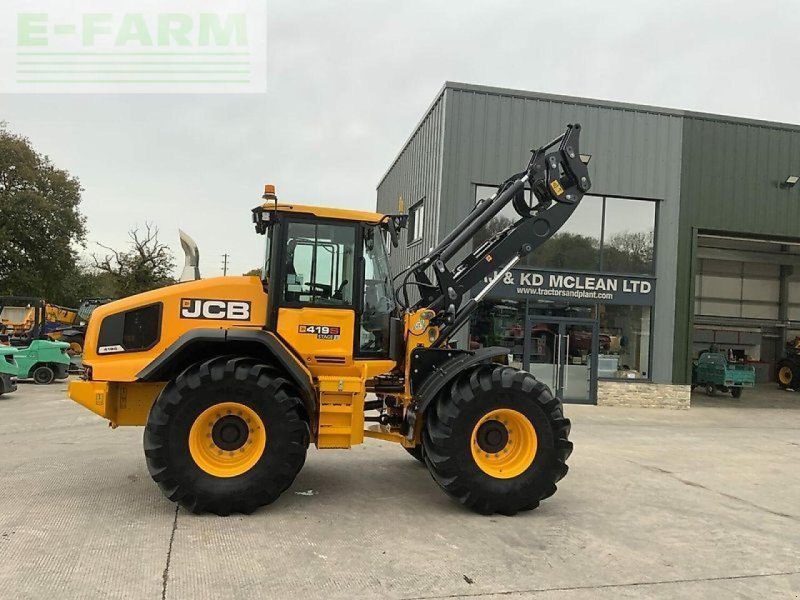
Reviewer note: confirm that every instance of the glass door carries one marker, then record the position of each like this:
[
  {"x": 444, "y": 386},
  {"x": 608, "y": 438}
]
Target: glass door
[
  {"x": 562, "y": 355},
  {"x": 577, "y": 347},
  {"x": 543, "y": 353}
]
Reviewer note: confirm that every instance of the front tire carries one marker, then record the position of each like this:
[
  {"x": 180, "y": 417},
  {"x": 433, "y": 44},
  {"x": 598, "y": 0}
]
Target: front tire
[
  {"x": 43, "y": 375},
  {"x": 497, "y": 440},
  {"x": 227, "y": 435}
]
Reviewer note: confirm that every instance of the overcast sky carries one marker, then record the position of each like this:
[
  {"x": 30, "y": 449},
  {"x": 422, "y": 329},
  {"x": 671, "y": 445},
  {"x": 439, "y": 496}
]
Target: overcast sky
[{"x": 348, "y": 81}]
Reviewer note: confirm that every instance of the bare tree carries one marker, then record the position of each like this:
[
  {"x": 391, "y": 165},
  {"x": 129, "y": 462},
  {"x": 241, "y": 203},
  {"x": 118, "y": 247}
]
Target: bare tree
[
  {"x": 629, "y": 252},
  {"x": 147, "y": 265},
  {"x": 636, "y": 244}
]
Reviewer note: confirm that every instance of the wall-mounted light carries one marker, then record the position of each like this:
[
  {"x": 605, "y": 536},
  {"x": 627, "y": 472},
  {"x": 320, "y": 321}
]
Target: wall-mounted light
[
  {"x": 585, "y": 158},
  {"x": 791, "y": 181}
]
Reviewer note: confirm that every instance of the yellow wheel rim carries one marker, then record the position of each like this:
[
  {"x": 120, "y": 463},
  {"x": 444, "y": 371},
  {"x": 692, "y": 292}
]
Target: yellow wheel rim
[
  {"x": 504, "y": 443},
  {"x": 785, "y": 375},
  {"x": 227, "y": 439}
]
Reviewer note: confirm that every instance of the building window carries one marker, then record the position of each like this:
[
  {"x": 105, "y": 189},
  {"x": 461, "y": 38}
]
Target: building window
[
  {"x": 578, "y": 244},
  {"x": 628, "y": 236},
  {"x": 624, "y": 342},
  {"x": 613, "y": 235},
  {"x": 416, "y": 218},
  {"x": 499, "y": 323}
]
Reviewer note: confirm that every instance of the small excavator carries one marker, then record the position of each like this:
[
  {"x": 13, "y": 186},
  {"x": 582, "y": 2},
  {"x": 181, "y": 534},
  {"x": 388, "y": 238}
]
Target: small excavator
[{"x": 234, "y": 377}]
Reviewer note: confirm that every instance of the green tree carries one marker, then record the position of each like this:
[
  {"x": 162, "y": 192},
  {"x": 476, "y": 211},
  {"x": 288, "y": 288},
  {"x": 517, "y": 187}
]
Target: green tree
[
  {"x": 146, "y": 265},
  {"x": 256, "y": 271},
  {"x": 86, "y": 282},
  {"x": 570, "y": 251},
  {"x": 41, "y": 227}
]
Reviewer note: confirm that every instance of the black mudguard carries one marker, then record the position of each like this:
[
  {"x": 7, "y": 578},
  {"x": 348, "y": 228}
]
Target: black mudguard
[{"x": 433, "y": 368}]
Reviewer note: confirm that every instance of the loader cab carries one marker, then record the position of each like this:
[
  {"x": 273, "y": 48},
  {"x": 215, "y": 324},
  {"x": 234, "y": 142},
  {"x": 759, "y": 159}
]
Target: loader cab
[{"x": 326, "y": 273}]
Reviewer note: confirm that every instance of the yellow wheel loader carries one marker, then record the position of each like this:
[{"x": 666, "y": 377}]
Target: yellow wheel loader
[{"x": 234, "y": 377}]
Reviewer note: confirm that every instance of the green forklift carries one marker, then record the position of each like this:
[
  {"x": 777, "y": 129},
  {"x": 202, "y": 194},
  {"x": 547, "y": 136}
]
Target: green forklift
[
  {"x": 8, "y": 369},
  {"x": 36, "y": 356}
]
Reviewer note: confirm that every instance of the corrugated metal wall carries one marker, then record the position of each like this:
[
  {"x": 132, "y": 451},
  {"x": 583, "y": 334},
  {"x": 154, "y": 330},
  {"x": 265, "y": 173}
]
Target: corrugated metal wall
[
  {"x": 731, "y": 177},
  {"x": 636, "y": 152},
  {"x": 489, "y": 134},
  {"x": 414, "y": 176}
]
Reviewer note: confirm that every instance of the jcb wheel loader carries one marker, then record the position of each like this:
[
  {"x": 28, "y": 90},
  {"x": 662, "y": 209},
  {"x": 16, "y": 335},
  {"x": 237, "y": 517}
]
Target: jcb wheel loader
[{"x": 234, "y": 377}]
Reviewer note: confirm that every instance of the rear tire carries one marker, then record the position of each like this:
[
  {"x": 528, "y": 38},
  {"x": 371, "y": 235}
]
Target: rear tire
[
  {"x": 43, "y": 375},
  {"x": 227, "y": 435},
  {"x": 736, "y": 392},
  {"x": 461, "y": 425},
  {"x": 788, "y": 374}
]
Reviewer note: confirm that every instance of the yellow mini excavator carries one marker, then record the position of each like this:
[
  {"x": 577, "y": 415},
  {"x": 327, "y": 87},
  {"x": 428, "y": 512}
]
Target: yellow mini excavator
[{"x": 234, "y": 377}]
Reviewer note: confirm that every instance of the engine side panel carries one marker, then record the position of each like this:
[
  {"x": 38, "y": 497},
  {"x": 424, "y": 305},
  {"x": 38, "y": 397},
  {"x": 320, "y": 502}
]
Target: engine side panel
[{"x": 221, "y": 303}]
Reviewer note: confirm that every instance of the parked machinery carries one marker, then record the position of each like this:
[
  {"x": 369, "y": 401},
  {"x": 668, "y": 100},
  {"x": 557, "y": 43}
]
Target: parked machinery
[
  {"x": 233, "y": 377},
  {"x": 37, "y": 357},
  {"x": 74, "y": 332},
  {"x": 788, "y": 367},
  {"x": 713, "y": 372},
  {"x": 8, "y": 369}
]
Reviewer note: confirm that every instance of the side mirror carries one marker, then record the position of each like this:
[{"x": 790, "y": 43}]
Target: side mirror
[
  {"x": 261, "y": 219},
  {"x": 394, "y": 224}
]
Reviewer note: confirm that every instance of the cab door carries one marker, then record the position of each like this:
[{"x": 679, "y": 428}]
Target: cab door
[{"x": 316, "y": 312}]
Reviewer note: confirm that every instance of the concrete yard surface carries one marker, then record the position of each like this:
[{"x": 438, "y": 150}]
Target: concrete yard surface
[{"x": 663, "y": 504}]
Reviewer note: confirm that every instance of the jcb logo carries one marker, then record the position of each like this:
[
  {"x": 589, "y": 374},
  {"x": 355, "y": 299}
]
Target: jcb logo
[{"x": 232, "y": 310}]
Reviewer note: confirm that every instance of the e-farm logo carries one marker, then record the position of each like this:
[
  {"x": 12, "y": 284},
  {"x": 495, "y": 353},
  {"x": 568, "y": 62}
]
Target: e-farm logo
[{"x": 133, "y": 46}]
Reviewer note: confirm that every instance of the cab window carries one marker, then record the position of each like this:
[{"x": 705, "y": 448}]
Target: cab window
[
  {"x": 319, "y": 264},
  {"x": 378, "y": 295}
]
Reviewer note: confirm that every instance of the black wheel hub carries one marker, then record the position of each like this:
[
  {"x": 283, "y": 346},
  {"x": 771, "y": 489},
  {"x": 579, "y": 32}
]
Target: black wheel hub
[
  {"x": 492, "y": 436},
  {"x": 230, "y": 433},
  {"x": 41, "y": 376}
]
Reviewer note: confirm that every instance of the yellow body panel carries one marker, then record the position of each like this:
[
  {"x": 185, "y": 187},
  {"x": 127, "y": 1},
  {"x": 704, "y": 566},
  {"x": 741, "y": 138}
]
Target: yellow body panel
[
  {"x": 322, "y": 337},
  {"x": 341, "y": 412},
  {"x": 325, "y": 212},
  {"x": 125, "y": 366},
  {"x": 120, "y": 403}
]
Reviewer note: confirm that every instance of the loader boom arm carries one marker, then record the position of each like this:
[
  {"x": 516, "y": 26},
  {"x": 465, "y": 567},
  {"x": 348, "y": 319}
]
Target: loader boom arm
[{"x": 557, "y": 181}]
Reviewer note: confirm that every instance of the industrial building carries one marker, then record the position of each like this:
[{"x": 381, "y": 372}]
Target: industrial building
[{"x": 690, "y": 237}]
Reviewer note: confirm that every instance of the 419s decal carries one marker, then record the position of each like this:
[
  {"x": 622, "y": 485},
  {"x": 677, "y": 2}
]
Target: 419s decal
[
  {"x": 231, "y": 310},
  {"x": 323, "y": 332}
]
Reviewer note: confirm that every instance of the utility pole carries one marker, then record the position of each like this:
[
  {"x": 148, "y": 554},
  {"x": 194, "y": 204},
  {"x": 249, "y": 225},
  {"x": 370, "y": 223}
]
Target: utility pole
[{"x": 225, "y": 258}]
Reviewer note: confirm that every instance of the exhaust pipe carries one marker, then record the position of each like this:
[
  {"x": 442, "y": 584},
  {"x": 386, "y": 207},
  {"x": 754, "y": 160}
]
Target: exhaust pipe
[{"x": 191, "y": 267}]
